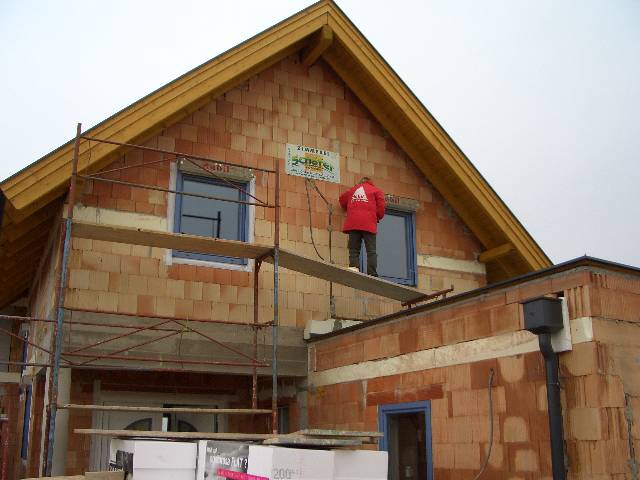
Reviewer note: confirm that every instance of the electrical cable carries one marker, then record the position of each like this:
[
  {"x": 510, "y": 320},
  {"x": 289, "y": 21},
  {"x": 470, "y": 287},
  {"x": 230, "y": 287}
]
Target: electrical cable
[
  {"x": 332, "y": 300},
  {"x": 486, "y": 458},
  {"x": 306, "y": 186}
]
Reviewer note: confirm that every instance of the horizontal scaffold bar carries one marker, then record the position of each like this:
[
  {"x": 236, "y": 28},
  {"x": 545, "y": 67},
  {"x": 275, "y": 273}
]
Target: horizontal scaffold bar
[
  {"x": 175, "y": 192},
  {"x": 177, "y": 154},
  {"x": 162, "y": 360},
  {"x": 176, "y": 241},
  {"x": 153, "y": 317}
]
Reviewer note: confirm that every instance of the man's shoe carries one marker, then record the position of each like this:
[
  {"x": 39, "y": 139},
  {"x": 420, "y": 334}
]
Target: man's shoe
[{"x": 354, "y": 269}]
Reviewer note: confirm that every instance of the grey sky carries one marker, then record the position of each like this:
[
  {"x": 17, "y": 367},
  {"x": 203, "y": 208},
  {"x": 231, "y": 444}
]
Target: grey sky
[{"x": 541, "y": 95}]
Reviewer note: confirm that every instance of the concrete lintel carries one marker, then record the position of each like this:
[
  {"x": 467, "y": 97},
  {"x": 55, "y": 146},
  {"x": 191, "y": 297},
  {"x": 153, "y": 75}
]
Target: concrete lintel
[
  {"x": 116, "y": 217},
  {"x": 505, "y": 345},
  {"x": 321, "y": 327},
  {"x": 451, "y": 264}
]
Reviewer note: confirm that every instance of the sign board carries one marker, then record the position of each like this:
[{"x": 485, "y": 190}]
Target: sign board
[
  {"x": 222, "y": 460},
  {"x": 401, "y": 203},
  {"x": 312, "y": 163}
]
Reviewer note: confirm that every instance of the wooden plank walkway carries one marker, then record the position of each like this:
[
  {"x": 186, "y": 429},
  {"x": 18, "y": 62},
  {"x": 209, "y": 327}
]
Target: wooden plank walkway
[
  {"x": 175, "y": 435},
  {"x": 124, "y": 408},
  {"x": 298, "y": 441},
  {"x": 176, "y": 241},
  {"x": 308, "y": 438},
  {"x": 231, "y": 248},
  {"x": 316, "y": 432}
]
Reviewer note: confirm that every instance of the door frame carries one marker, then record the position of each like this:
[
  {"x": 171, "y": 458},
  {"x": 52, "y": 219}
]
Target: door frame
[
  {"x": 100, "y": 445},
  {"x": 409, "y": 407}
]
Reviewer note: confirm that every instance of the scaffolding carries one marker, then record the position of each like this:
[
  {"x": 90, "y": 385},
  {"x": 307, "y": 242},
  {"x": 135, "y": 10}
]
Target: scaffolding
[{"x": 167, "y": 327}]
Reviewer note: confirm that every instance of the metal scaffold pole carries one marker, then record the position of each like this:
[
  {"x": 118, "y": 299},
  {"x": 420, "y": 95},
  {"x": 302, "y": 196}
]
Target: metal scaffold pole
[
  {"x": 254, "y": 376},
  {"x": 62, "y": 285},
  {"x": 276, "y": 312}
]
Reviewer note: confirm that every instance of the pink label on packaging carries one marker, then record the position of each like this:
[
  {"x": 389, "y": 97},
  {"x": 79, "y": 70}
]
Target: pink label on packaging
[{"x": 238, "y": 475}]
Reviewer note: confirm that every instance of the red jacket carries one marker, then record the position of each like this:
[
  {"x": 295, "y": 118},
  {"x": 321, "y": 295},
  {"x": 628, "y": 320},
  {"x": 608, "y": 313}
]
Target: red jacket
[{"x": 364, "y": 204}]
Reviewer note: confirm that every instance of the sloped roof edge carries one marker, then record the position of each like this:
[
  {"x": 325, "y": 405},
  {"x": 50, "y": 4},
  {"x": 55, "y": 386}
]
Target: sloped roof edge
[
  {"x": 89, "y": 131},
  {"x": 36, "y": 185},
  {"x": 474, "y": 179},
  {"x": 222, "y": 71}
]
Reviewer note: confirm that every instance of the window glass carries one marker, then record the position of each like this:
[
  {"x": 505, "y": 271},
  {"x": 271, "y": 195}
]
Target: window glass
[
  {"x": 392, "y": 245},
  {"x": 211, "y": 218},
  {"x": 395, "y": 245}
]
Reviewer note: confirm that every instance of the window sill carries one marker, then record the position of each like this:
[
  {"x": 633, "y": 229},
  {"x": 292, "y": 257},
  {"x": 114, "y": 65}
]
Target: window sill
[{"x": 171, "y": 259}]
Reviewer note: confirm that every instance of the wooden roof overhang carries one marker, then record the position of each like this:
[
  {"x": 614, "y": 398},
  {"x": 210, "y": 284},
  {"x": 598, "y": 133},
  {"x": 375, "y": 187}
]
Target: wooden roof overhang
[{"x": 33, "y": 195}]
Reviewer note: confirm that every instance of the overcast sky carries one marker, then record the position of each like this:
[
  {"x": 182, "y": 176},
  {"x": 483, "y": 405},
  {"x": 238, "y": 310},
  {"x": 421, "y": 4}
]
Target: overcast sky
[{"x": 542, "y": 95}]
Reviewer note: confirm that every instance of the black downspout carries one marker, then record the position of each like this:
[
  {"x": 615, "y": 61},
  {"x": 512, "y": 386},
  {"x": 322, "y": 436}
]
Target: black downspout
[{"x": 554, "y": 406}]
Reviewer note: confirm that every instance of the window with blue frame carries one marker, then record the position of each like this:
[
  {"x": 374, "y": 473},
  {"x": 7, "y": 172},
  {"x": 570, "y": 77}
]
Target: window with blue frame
[
  {"x": 407, "y": 439},
  {"x": 396, "y": 248},
  {"x": 211, "y": 218}
]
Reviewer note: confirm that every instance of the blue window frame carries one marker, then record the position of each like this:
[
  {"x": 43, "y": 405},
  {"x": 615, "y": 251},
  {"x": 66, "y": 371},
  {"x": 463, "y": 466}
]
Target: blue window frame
[
  {"x": 25, "y": 350},
  {"x": 210, "y": 218},
  {"x": 24, "y": 450},
  {"x": 389, "y": 418},
  {"x": 396, "y": 248}
]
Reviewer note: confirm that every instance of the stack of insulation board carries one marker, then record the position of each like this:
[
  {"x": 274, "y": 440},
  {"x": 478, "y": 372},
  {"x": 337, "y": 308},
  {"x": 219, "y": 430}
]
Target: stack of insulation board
[{"x": 220, "y": 460}]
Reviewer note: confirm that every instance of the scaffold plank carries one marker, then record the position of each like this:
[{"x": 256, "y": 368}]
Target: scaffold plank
[
  {"x": 231, "y": 248},
  {"x": 301, "y": 441},
  {"x": 316, "y": 432},
  {"x": 349, "y": 278},
  {"x": 176, "y": 241},
  {"x": 176, "y": 435},
  {"x": 125, "y": 408}
]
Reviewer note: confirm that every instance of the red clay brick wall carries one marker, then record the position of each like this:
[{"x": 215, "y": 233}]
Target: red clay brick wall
[
  {"x": 490, "y": 316},
  {"x": 599, "y": 379},
  {"x": 459, "y": 414},
  {"x": 602, "y": 380},
  {"x": 250, "y": 125}
]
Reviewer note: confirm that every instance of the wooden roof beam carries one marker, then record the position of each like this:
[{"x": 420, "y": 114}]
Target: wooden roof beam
[
  {"x": 317, "y": 46},
  {"x": 496, "y": 253}
]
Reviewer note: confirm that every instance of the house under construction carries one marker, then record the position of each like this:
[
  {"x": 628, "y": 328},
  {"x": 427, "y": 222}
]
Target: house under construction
[{"x": 180, "y": 269}]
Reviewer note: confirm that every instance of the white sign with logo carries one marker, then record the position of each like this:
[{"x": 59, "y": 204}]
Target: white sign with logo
[{"x": 312, "y": 163}]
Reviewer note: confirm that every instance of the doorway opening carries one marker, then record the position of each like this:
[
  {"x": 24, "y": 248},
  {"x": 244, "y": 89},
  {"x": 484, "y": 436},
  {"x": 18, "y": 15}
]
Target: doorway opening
[{"x": 407, "y": 439}]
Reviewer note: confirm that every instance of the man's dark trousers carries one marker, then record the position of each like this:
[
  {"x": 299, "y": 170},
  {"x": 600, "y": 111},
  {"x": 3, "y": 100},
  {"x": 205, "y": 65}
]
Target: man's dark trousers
[{"x": 355, "y": 240}]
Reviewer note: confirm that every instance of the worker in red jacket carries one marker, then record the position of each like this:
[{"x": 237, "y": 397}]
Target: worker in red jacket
[{"x": 364, "y": 203}]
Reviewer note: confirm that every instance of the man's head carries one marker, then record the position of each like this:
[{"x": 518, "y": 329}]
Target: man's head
[{"x": 363, "y": 180}]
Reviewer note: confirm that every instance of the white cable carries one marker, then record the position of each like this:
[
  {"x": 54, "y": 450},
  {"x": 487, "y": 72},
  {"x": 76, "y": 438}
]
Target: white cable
[{"x": 486, "y": 459}]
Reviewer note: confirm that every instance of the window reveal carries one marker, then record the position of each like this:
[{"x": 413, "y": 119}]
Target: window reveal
[{"x": 210, "y": 218}]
